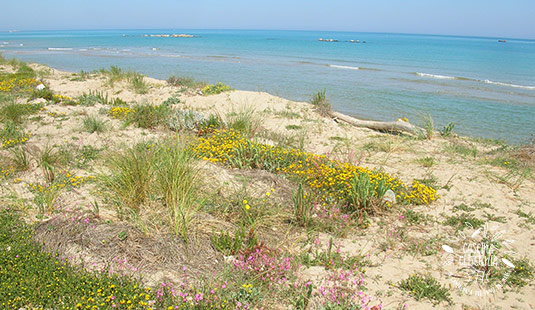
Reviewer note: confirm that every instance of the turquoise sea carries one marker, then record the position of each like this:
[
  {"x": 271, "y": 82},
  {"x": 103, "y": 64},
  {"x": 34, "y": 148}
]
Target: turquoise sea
[{"x": 486, "y": 87}]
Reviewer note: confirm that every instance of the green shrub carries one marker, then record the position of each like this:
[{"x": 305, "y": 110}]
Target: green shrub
[
  {"x": 45, "y": 93},
  {"x": 185, "y": 120}
]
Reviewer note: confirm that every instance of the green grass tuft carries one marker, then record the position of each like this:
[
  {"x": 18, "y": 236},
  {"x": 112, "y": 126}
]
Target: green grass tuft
[
  {"x": 425, "y": 287},
  {"x": 320, "y": 103},
  {"x": 93, "y": 124}
]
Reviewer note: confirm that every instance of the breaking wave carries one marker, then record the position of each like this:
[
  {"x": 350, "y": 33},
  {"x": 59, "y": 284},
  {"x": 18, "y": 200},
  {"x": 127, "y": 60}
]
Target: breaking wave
[{"x": 447, "y": 77}]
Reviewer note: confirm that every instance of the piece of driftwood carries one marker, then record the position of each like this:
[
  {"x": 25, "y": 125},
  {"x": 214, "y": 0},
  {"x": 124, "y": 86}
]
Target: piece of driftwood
[{"x": 396, "y": 126}]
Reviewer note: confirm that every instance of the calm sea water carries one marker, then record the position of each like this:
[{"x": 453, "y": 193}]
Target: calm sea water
[{"x": 486, "y": 87}]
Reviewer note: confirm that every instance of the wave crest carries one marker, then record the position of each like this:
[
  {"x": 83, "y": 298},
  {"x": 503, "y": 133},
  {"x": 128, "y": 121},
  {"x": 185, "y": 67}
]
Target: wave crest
[
  {"x": 344, "y": 67},
  {"x": 508, "y": 84},
  {"x": 436, "y": 76}
]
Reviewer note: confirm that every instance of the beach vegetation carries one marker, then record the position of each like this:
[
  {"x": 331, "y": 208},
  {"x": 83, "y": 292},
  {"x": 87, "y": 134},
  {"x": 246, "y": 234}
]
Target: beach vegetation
[
  {"x": 321, "y": 103},
  {"x": 334, "y": 182},
  {"x": 138, "y": 83},
  {"x": 462, "y": 148},
  {"x": 46, "y": 280},
  {"x": 117, "y": 102},
  {"x": 19, "y": 158},
  {"x": 115, "y": 74},
  {"x": 293, "y": 127},
  {"x": 25, "y": 71},
  {"x": 49, "y": 159},
  {"x": 447, "y": 130},
  {"x": 212, "y": 122},
  {"x": 521, "y": 275},
  {"x": 331, "y": 258},
  {"x": 161, "y": 175},
  {"x": 411, "y": 217},
  {"x": 177, "y": 182},
  {"x": 293, "y": 140},
  {"x": 16, "y": 113},
  {"x": 12, "y": 134},
  {"x": 303, "y": 206},
  {"x": 127, "y": 184},
  {"x": 17, "y": 83},
  {"x": 425, "y": 287},
  {"x": 463, "y": 220},
  {"x": 214, "y": 89},
  {"x": 529, "y": 218},
  {"x": 428, "y": 127},
  {"x": 120, "y": 112},
  {"x": 426, "y": 162},
  {"x": 287, "y": 114},
  {"x": 45, "y": 93},
  {"x": 92, "y": 98},
  {"x": 81, "y": 76},
  {"x": 186, "y": 82},
  {"x": 146, "y": 115},
  {"x": 172, "y": 101},
  {"x": 180, "y": 120},
  {"x": 244, "y": 121},
  {"x": 92, "y": 123}
]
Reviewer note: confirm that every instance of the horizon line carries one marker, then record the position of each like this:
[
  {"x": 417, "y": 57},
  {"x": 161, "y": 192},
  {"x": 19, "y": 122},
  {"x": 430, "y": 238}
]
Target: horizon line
[{"x": 245, "y": 29}]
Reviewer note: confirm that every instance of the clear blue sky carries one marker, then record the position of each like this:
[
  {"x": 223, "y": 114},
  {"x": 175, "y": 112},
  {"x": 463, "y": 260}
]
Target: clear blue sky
[{"x": 498, "y": 18}]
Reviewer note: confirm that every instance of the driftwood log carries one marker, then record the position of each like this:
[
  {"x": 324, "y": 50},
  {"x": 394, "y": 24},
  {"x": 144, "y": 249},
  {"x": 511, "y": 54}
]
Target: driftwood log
[{"x": 396, "y": 126}]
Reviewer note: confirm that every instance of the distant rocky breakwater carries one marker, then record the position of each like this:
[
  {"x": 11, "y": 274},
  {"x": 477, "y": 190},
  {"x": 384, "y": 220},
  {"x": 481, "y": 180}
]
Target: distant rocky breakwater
[{"x": 174, "y": 35}]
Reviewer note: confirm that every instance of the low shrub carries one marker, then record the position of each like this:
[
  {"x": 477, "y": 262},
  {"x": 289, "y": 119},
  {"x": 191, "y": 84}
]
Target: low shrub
[{"x": 214, "y": 89}]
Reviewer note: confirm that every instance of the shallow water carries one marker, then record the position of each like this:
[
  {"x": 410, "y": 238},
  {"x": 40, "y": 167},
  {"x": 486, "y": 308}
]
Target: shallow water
[{"x": 485, "y": 87}]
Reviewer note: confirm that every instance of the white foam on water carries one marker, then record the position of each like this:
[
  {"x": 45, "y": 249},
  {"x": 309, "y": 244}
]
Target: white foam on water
[
  {"x": 436, "y": 76},
  {"x": 344, "y": 67},
  {"x": 60, "y": 49},
  {"x": 508, "y": 84}
]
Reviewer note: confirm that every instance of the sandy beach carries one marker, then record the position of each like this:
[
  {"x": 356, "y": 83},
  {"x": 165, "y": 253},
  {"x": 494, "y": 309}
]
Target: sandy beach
[{"x": 485, "y": 189}]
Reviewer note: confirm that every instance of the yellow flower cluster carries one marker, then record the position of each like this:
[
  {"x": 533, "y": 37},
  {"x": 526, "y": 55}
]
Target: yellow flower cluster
[
  {"x": 420, "y": 194},
  {"x": 17, "y": 83},
  {"x": 331, "y": 178},
  {"x": 104, "y": 300},
  {"x": 68, "y": 181},
  {"x": 56, "y": 114},
  {"x": 61, "y": 98},
  {"x": 120, "y": 112},
  {"x": 7, "y": 171},
  {"x": 12, "y": 142}
]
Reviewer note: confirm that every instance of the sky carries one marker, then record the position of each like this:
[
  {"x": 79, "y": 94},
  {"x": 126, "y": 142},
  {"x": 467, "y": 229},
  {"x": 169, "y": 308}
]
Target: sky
[{"x": 492, "y": 18}]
